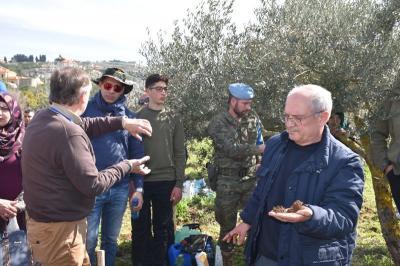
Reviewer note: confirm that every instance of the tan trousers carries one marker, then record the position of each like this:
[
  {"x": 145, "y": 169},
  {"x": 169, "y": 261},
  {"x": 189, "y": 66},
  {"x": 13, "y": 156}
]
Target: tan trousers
[{"x": 58, "y": 244}]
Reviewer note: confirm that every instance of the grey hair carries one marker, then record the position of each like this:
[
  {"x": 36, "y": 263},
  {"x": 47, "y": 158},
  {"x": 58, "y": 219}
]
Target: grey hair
[
  {"x": 67, "y": 85},
  {"x": 321, "y": 98}
]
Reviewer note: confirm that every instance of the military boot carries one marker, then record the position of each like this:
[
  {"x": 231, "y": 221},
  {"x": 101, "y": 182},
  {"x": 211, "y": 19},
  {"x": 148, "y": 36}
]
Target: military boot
[{"x": 227, "y": 258}]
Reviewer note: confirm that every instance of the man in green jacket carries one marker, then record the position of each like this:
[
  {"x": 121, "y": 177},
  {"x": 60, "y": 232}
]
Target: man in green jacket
[
  {"x": 153, "y": 231},
  {"x": 237, "y": 138}
]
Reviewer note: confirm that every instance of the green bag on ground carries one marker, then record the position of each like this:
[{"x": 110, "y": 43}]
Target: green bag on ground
[{"x": 186, "y": 231}]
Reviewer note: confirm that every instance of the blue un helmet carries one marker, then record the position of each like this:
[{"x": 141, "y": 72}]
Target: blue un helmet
[{"x": 241, "y": 91}]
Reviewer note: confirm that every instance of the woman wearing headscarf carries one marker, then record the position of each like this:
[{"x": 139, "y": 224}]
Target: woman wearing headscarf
[{"x": 12, "y": 132}]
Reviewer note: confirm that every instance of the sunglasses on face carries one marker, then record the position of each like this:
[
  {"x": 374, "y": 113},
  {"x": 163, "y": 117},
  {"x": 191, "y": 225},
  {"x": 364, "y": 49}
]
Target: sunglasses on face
[{"x": 109, "y": 86}]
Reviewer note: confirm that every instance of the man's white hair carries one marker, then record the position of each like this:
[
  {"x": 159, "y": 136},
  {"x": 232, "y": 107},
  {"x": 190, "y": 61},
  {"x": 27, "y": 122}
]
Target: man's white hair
[{"x": 320, "y": 98}]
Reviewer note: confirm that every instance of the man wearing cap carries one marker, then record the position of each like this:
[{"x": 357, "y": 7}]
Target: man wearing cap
[
  {"x": 109, "y": 149},
  {"x": 235, "y": 136}
]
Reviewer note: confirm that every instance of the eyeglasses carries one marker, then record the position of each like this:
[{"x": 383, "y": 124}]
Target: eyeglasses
[
  {"x": 159, "y": 88},
  {"x": 108, "y": 86},
  {"x": 297, "y": 119}
]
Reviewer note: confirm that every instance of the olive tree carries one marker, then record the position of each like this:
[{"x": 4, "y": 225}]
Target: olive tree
[
  {"x": 350, "y": 47},
  {"x": 200, "y": 61}
]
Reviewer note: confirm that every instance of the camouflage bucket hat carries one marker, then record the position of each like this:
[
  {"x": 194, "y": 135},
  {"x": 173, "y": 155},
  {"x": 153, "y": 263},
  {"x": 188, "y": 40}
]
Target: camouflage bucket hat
[{"x": 119, "y": 75}]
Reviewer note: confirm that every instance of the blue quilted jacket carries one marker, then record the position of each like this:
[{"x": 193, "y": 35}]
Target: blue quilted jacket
[{"x": 331, "y": 182}]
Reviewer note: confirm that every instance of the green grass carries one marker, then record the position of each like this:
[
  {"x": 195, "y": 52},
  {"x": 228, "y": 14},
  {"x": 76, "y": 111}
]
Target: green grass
[
  {"x": 370, "y": 251},
  {"x": 371, "y": 247}
]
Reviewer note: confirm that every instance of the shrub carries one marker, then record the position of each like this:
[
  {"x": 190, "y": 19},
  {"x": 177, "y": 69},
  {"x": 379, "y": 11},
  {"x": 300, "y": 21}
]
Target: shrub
[
  {"x": 200, "y": 153},
  {"x": 198, "y": 209}
]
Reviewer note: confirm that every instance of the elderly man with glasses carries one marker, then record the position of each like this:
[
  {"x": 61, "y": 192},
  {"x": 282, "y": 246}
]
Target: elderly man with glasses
[
  {"x": 110, "y": 206},
  {"x": 305, "y": 165}
]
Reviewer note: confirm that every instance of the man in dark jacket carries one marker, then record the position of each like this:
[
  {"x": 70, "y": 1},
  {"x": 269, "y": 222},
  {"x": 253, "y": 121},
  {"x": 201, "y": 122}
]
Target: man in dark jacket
[
  {"x": 303, "y": 163},
  {"x": 109, "y": 149}
]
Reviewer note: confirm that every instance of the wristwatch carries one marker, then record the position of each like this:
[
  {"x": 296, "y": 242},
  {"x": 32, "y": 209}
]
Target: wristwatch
[{"x": 139, "y": 189}]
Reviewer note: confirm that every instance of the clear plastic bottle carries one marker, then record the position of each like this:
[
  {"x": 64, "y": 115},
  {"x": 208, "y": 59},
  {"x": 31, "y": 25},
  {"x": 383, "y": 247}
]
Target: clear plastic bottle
[
  {"x": 180, "y": 260},
  {"x": 260, "y": 139},
  {"x": 208, "y": 248},
  {"x": 135, "y": 203}
]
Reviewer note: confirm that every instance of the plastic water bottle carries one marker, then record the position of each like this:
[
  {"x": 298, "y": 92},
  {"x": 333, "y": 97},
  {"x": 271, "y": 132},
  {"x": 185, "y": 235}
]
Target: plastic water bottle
[
  {"x": 201, "y": 259},
  {"x": 135, "y": 203},
  {"x": 208, "y": 249},
  {"x": 180, "y": 260},
  {"x": 260, "y": 139},
  {"x": 218, "y": 256},
  {"x": 12, "y": 225}
]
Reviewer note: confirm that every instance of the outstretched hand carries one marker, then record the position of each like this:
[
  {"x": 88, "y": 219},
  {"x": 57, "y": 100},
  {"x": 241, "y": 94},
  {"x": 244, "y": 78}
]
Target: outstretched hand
[
  {"x": 138, "y": 166},
  {"x": 137, "y": 127},
  {"x": 293, "y": 217},
  {"x": 238, "y": 234}
]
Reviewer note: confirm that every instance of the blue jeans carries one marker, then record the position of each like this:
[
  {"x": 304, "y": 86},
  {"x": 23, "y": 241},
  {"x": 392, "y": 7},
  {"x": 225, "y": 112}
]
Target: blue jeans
[
  {"x": 153, "y": 231},
  {"x": 109, "y": 207}
]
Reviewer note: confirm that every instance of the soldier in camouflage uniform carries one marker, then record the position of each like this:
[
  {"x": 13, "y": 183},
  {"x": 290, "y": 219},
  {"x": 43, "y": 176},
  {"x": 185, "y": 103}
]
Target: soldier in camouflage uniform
[{"x": 237, "y": 138}]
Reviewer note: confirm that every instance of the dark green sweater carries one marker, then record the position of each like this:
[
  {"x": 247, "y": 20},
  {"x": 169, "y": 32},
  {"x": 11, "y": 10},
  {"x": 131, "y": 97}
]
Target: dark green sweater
[{"x": 166, "y": 146}]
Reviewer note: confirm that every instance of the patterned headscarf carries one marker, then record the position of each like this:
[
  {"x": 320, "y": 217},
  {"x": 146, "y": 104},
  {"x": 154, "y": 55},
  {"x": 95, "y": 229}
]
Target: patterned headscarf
[{"x": 12, "y": 134}]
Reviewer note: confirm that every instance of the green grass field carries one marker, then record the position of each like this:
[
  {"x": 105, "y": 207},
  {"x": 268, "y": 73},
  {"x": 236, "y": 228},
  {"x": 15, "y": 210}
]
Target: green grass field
[{"x": 371, "y": 248}]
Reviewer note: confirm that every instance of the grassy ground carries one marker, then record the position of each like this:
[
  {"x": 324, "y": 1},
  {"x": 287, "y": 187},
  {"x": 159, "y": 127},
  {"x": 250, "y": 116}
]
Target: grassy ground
[
  {"x": 371, "y": 248},
  {"x": 370, "y": 251}
]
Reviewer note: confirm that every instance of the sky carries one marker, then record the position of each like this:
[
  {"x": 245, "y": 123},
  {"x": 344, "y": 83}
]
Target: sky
[{"x": 93, "y": 30}]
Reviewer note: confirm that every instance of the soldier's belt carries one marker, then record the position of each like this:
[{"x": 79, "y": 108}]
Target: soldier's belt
[{"x": 240, "y": 172}]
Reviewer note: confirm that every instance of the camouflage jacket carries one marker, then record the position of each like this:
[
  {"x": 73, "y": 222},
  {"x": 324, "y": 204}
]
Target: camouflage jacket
[
  {"x": 385, "y": 135},
  {"x": 234, "y": 141}
]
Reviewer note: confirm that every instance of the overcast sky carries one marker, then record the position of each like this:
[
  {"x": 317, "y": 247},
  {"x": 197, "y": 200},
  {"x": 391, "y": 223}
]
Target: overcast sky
[{"x": 92, "y": 29}]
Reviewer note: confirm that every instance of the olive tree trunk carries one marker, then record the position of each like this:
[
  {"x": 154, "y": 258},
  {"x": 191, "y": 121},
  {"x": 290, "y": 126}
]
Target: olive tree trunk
[{"x": 383, "y": 198}]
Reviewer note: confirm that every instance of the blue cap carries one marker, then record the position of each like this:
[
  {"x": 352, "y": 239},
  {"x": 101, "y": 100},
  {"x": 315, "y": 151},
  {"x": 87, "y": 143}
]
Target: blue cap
[
  {"x": 2, "y": 86},
  {"x": 241, "y": 91}
]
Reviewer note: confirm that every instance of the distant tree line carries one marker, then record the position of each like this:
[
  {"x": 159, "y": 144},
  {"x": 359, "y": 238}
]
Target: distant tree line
[{"x": 23, "y": 58}]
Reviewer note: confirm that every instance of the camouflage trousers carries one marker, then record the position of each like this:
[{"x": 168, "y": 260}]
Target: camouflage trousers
[{"x": 232, "y": 195}]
